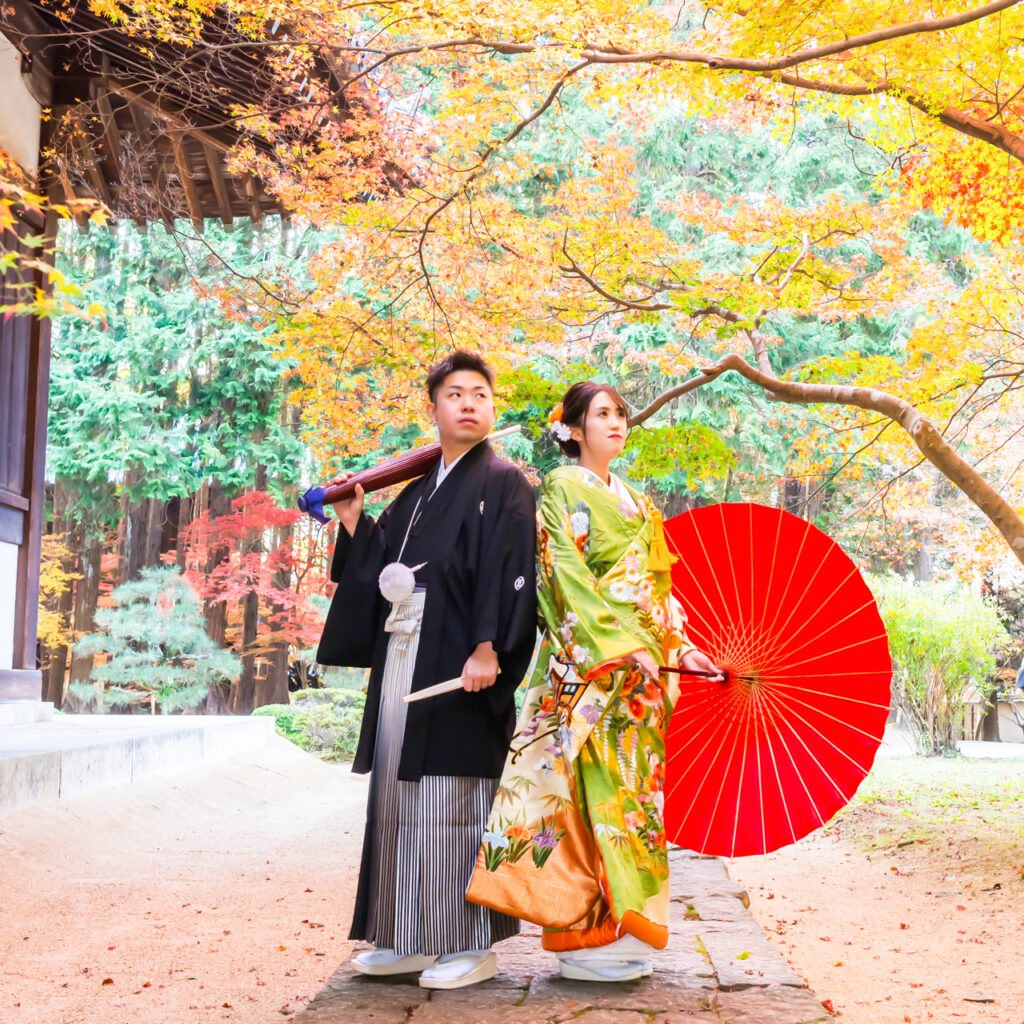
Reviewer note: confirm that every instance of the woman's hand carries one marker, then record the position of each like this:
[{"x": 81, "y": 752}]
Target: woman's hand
[
  {"x": 698, "y": 661},
  {"x": 349, "y": 509},
  {"x": 645, "y": 663},
  {"x": 481, "y": 668}
]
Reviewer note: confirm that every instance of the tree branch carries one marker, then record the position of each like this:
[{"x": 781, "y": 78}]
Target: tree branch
[
  {"x": 574, "y": 270},
  {"x": 478, "y": 170},
  {"x": 611, "y": 55},
  {"x": 772, "y": 68},
  {"x": 975, "y": 127},
  {"x": 921, "y": 430}
]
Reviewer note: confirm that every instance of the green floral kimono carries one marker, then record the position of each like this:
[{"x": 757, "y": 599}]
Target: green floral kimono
[{"x": 576, "y": 838}]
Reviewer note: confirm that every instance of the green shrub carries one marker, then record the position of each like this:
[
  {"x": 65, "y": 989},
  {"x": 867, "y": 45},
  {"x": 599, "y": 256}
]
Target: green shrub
[
  {"x": 323, "y": 722},
  {"x": 335, "y": 678},
  {"x": 944, "y": 638},
  {"x": 326, "y": 722},
  {"x": 284, "y": 716}
]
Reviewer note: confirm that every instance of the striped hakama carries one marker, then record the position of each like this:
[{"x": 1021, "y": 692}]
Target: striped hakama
[{"x": 426, "y": 834}]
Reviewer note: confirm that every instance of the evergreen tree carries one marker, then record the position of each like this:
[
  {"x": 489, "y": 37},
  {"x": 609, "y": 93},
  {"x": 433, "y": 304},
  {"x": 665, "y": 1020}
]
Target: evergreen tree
[{"x": 156, "y": 645}]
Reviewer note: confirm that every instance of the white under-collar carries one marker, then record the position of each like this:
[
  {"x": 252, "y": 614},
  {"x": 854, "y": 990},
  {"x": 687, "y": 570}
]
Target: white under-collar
[
  {"x": 617, "y": 487},
  {"x": 443, "y": 470}
]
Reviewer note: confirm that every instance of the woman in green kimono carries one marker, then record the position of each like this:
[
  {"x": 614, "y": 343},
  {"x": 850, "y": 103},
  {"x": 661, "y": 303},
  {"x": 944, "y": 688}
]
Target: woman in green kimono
[{"x": 576, "y": 838}]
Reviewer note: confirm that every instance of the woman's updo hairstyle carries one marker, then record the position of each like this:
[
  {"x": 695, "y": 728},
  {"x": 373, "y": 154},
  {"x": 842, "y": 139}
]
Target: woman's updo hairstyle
[{"x": 576, "y": 405}]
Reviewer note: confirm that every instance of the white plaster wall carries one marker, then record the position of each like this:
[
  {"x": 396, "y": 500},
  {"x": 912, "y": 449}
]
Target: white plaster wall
[
  {"x": 1010, "y": 728},
  {"x": 19, "y": 114},
  {"x": 8, "y": 574}
]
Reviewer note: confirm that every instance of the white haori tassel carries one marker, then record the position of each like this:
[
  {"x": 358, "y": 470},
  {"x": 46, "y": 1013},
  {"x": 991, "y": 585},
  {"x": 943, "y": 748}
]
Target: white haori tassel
[{"x": 397, "y": 582}]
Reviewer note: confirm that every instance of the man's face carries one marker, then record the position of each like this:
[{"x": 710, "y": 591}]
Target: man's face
[{"x": 463, "y": 408}]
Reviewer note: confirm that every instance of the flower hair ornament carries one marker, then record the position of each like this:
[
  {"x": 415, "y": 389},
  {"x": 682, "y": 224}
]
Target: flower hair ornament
[{"x": 558, "y": 428}]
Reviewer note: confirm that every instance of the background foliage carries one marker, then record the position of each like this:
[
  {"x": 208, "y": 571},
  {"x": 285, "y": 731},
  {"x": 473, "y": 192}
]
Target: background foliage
[
  {"x": 944, "y": 640},
  {"x": 826, "y": 195}
]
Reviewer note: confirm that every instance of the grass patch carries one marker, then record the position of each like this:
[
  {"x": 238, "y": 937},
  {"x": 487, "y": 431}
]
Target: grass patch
[{"x": 968, "y": 808}]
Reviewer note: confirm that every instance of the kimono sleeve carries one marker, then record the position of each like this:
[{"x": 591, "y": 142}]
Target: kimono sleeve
[
  {"x": 582, "y": 628},
  {"x": 350, "y": 632},
  {"x": 505, "y": 596}
]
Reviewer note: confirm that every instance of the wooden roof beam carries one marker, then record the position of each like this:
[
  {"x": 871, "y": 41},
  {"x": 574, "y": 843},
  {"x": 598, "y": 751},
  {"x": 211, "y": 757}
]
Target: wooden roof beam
[
  {"x": 172, "y": 113},
  {"x": 220, "y": 185},
  {"x": 70, "y": 199},
  {"x": 148, "y": 145},
  {"x": 195, "y": 208},
  {"x": 111, "y": 132},
  {"x": 91, "y": 163},
  {"x": 253, "y": 198}
]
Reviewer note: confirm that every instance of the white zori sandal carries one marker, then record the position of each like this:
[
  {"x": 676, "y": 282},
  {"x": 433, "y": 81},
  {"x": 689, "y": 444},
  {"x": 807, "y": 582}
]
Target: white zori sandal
[
  {"x": 387, "y": 961},
  {"x": 625, "y": 959},
  {"x": 603, "y": 970},
  {"x": 457, "y": 970}
]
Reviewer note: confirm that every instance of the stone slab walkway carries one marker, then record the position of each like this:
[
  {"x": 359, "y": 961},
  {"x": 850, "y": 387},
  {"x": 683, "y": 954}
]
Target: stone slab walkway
[{"x": 719, "y": 967}]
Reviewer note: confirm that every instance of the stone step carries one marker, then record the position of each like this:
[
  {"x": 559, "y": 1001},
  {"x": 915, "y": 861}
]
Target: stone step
[
  {"x": 24, "y": 712},
  {"x": 74, "y": 754}
]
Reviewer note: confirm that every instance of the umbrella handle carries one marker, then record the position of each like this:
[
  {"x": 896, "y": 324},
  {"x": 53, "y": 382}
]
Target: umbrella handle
[{"x": 725, "y": 673}]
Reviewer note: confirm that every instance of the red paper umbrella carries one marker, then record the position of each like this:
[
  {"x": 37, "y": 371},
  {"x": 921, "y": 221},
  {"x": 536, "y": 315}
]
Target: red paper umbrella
[{"x": 770, "y": 755}]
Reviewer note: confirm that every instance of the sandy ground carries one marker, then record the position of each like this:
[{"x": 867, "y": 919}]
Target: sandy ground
[
  {"x": 177, "y": 903},
  {"x": 910, "y": 907},
  {"x": 225, "y": 894}
]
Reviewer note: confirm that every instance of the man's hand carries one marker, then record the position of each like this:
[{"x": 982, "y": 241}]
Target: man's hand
[
  {"x": 481, "y": 668},
  {"x": 349, "y": 509},
  {"x": 697, "y": 661}
]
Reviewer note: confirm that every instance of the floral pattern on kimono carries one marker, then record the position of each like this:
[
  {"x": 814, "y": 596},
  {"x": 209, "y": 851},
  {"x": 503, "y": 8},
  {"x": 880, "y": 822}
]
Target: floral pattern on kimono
[{"x": 576, "y": 838}]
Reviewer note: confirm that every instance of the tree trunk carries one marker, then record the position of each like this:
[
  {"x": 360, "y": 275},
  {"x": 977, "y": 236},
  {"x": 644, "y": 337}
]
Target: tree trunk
[
  {"x": 217, "y": 698},
  {"x": 216, "y": 612},
  {"x": 135, "y": 531},
  {"x": 87, "y": 593},
  {"x": 135, "y": 528},
  {"x": 184, "y": 519},
  {"x": 923, "y": 568},
  {"x": 245, "y": 692},
  {"x": 793, "y": 495},
  {"x": 156, "y": 516},
  {"x": 53, "y": 676},
  {"x": 273, "y": 688}
]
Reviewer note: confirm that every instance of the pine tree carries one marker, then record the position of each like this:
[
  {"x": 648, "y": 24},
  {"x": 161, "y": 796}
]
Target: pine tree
[{"x": 156, "y": 645}]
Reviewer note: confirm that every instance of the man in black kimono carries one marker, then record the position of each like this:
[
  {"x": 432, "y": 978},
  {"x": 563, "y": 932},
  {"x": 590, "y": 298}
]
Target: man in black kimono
[{"x": 468, "y": 530}]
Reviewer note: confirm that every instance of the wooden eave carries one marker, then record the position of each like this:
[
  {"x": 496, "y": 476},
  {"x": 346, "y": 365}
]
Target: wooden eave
[{"x": 148, "y": 143}]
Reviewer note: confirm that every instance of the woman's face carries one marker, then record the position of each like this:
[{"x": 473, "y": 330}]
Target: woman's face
[{"x": 606, "y": 429}]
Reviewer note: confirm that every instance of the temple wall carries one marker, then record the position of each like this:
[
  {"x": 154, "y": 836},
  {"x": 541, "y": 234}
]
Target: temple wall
[
  {"x": 8, "y": 576},
  {"x": 19, "y": 112}
]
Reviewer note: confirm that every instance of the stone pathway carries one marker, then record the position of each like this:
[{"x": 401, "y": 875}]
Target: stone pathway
[{"x": 719, "y": 967}]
